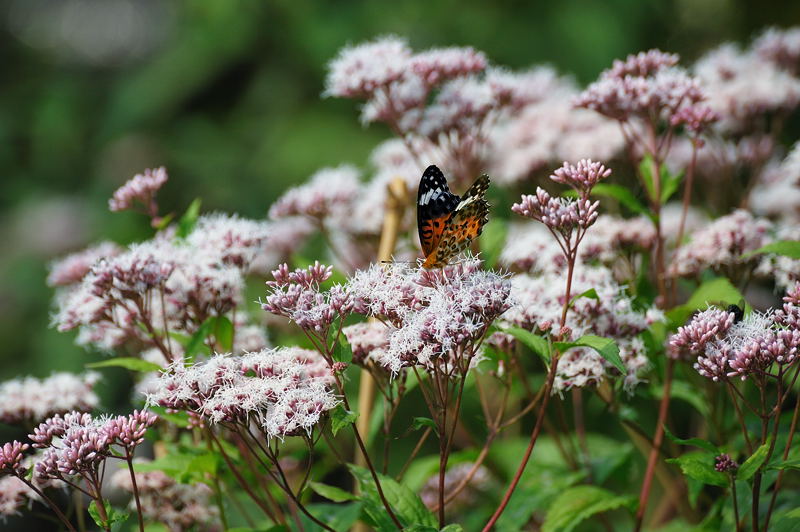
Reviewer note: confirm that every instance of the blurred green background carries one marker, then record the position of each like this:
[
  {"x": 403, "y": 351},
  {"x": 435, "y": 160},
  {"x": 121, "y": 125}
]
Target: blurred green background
[{"x": 227, "y": 95}]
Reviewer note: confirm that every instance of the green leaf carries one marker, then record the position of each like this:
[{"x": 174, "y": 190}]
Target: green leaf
[
  {"x": 189, "y": 219},
  {"x": 131, "y": 363},
  {"x": 223, "y": 332},
  {"x": 589, "y": 294},
  {"x": 406, "y": 504},
  {"x": 453, "y": 528},
  {"x": 578, "y": 503},
  {"x": 164, "y": 221},
  {"x": 332, "y": 492},
  {"x": 340, "y": 418},
  {"x": 197, "y": 341},
  {"x": 715, "y": 290},
  {"x": 114, "y": 516},
  {"x": 420, "y": 422},
  {"x": 754, "y": 463},
  {"x": 622, "y": 195},
  {"x": 537, "y": 344},
  {"x": 784, "y": 464},
  {"x": 719, "y": 289},
  {"x": 696, "y": 442},
  {"x": 342, "y": 352},
  {"x": 647, "y": 169},
  {"x": 786, "y": 248},
  {"x": 605, "y": 347},
  {"x": 669, "y": 183},
  {"x": 700, "y": 466}
]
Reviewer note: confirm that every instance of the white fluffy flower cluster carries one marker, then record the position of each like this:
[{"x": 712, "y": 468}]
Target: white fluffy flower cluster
[
  {"x": 433, "y": 315},
  {"x": 539, "y": 302},
  {"x": 163, "y": 284},
  {"x": 31, "y": 400},
  {"x": 285, "y": 390}
]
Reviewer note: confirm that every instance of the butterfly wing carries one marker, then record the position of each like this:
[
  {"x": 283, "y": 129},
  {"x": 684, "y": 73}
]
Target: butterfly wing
[
  {"x": 462, "y": 226},
  {"x": 435, "y": 204}
]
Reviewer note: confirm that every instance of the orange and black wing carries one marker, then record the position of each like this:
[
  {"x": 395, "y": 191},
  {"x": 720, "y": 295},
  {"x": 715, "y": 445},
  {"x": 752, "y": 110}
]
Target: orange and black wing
[
  {"x": 462, "y": 226},
  {"x": 435, "y": 204}
]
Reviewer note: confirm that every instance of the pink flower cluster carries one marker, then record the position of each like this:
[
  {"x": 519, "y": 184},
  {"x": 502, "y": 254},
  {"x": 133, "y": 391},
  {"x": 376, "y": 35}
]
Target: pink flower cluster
[
  {"x": 285, "y": 390},
  {"x": 140, "y": 188},
  {"x": 163, "y": 285},
  {"x": 77, "y": 444},
  {"x": 722, "y": 244},
  {"x": 728, "y": 348},
  {"x": 436, "y": 316},
  {"x": 297, "y": 296},
  {"x": 30, "y": 400},
  {"x": 644, "y": 85}
]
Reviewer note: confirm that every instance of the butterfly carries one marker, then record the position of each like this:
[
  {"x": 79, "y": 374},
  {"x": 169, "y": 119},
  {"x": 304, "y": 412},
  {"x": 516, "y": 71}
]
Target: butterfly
[{"x": 447, "y": 223}]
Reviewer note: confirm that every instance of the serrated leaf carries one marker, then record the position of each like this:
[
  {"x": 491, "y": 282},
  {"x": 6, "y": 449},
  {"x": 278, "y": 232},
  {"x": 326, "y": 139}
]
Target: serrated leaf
[
  {"x": 578, "y": 503},
  {"x": 696, "y": 442},
  {"x": 534, "y": 342},
  {"x": 331, "y": 492},
  {"x": 754, "y": 463},
  {"x": 492, "y": 240},
  {"x": 605, "y": 347},
  {"x": 342, "y": 352},
  {"x": 406, "y": 504},
  {"x": 785, "y": 248},
  {"x": 622, "y": 195},
  {"x": 189, "y": 219},
  {"x": 131, "y": 363},
  {"x": 340, "y": 418},
  {"x": 700, "y": 466},
  {"x": 114, "y": 516}
]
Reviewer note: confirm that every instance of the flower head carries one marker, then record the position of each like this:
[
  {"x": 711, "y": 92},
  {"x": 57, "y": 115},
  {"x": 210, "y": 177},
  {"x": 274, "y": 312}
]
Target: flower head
[
  {"x": 31, "y": 400},
  {"x": 297, "y": 296},
  {"x": 286, "y": 390},
  {"x": 723, "y": 243},
  {"x": 582, "y": 177},
  {"x": 360, "y": 70},
  {"x": 435, "y": 315},
  {"x": 72, "y": 268},
  {"x": 724, "y": 463},
  {"x": 11, "y": 457},
  {"x": 140, "y": 188}
]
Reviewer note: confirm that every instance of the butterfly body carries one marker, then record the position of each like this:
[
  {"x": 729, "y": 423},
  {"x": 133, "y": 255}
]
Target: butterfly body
[{"x": 448, "y": 223}]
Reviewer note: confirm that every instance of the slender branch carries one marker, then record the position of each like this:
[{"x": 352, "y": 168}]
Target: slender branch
[
  {"x": 129, "y": 460},
  {"x": 49, "y": 502},
  {"x": 658, "y": 437}
]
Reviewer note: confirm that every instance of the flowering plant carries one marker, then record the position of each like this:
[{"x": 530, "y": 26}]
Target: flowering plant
[{"x": 527, "y": 384}]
